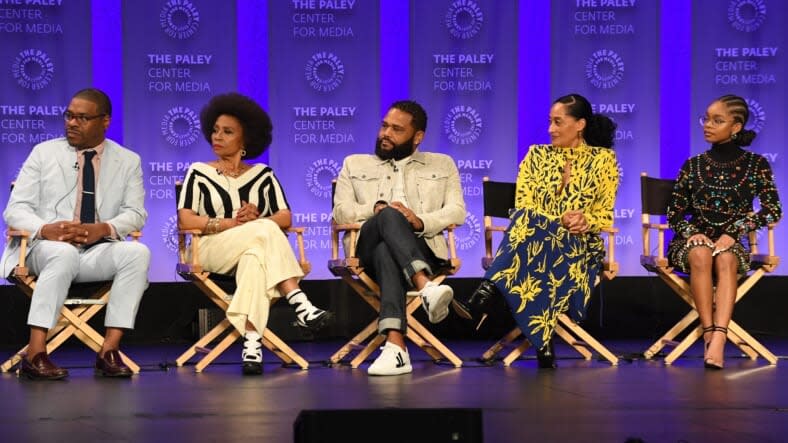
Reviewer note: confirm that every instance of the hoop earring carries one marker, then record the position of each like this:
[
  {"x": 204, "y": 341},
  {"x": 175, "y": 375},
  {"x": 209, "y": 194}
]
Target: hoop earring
[
  {"x": 734, "y": 136},
  {"x": 243, "y": 153}
]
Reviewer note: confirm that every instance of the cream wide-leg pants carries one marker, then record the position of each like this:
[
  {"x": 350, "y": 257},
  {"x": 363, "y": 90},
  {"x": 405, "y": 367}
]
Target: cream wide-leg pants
[{"x": 260, "y": 256}]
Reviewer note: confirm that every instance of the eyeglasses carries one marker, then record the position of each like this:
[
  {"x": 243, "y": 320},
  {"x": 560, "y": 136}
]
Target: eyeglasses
[
  {"x": 714, "y": 122},
  {"x": 80, "y": 118}
]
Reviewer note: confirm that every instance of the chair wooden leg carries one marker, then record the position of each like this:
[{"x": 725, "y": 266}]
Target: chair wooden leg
[
  {"x": 355, "y": 342},
  {"x": 668, "y": 337},
  {"x": 500, "y": 344},
  {"x": 228, "y": 340},
  {"x": 424, "y": 344},
  {"x": 429, "y": 344},
  {"x": 588, "y": 339},
  {"x": 570, "y": 340},
  {"x": 94, "y": 340},
  {"x": 284, "y": 352},
  {"x": 683, "y": 345},
  {"x": 516, "y": 353},
  {"x": 750, "y": 341},
  {"x": 434, "y": 343},
  {"x": 202, "y": 344},
  {"x": 742, "y": 345},
  {"x": 13, "y": 360},
  {"x": 367, "y": 351}
]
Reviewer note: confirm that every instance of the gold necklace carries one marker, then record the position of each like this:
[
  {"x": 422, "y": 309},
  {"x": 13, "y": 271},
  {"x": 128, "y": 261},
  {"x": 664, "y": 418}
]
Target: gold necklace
[{"x": 235, "y": 173}]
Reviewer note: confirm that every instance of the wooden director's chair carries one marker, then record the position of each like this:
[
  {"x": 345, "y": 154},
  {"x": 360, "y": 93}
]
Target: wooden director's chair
[
  {"x": 350, "y": 270},
  {"x": 75, "y": 313},
  {"x": 189, "y": 268},
  {"x": 498, "y": 201},
  {"x": 655, "y": 195}
]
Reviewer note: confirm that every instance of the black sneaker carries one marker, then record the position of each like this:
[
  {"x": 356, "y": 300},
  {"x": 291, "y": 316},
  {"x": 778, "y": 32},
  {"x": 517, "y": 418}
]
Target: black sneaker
[
  {"x": 317, "y": 322},
  {"x": 252, "y": 368}
]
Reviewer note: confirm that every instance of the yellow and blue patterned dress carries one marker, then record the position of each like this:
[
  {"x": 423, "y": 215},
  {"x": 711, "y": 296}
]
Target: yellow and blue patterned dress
[{"x": 541, "y": 269}]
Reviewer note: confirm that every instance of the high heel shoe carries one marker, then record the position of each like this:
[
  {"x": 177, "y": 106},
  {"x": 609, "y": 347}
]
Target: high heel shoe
[
  {"x": 545, "y": 356},
  {"x": 707, "y": 330},
  {"x": 480, "y": 304},
  {"x": 710, "y": 363}
]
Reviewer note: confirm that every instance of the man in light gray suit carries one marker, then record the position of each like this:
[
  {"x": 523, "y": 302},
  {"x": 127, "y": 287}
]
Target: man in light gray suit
[{"x": 79, "y": 196}]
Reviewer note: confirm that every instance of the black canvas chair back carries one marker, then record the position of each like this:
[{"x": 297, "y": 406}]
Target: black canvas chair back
[
  {"x": 498, "y": 198},
  {"x": 655, "y": 194}
]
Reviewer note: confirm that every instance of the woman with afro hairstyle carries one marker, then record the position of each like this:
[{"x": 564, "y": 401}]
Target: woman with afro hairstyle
[
  {"x": 550, "y": 256},
  {"x": 242, "y": 210},
  {"x": 711, "y": 209}
]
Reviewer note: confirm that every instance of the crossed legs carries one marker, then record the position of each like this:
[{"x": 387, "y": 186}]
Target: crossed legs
[{"x": 398, "y": 259}]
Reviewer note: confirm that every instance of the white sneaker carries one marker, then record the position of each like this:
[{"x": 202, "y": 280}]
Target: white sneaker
[
  {"x": 392, "y": 360},
  {"x": 436, "y": 300}
]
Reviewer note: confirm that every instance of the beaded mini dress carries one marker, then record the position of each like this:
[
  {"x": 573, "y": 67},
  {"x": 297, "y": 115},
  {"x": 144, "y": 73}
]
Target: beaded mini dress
[{"x": 714, "y": 195}]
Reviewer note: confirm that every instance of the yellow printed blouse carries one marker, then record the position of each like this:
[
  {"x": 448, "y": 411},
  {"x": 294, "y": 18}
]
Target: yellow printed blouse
[{"x": 593, "y": 182}]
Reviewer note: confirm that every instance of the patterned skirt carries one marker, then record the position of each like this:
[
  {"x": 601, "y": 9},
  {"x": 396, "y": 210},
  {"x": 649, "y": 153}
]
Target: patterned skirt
[
  {"x": 678, "y": 254},
  {"x": 543, "y": 271}
]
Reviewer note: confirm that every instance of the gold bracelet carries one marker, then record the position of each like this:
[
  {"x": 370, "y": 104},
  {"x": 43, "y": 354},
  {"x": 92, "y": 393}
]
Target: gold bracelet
[{"x": 212, "y": 226}]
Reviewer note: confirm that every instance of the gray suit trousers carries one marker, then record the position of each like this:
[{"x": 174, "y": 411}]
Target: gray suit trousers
[{"x": 58, "y": 264}]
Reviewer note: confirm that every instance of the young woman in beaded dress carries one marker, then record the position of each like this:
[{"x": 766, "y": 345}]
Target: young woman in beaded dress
[{"x": 712, "y": 209}]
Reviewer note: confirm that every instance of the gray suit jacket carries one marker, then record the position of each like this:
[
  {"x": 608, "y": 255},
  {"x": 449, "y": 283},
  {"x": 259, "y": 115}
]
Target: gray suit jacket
[
  {"x": 45, "y": 191},
  {"x": 432, "y": 186}
]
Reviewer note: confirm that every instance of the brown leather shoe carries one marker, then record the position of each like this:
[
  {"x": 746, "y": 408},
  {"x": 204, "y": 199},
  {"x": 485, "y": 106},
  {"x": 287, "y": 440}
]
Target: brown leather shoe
[
  {"x": 111, "y": 365},
  {"x": 40, "y": 367}
]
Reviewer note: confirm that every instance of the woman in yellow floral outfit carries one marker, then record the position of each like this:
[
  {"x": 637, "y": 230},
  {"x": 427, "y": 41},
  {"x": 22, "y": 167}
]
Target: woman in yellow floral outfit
[{"x": 551, "y": 254}]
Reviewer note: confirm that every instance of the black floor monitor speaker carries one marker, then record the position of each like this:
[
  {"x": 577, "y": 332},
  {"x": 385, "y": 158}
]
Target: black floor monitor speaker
[{"x": 392, "y": 425}]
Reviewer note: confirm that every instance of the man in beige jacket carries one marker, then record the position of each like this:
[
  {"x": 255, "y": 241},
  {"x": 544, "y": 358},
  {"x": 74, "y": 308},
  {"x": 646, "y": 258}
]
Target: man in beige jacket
[{"x": 404, "y": 198}]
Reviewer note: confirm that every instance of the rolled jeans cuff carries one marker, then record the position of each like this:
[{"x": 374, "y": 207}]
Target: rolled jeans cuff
[
  {"x": 384, "y": 324},
  {"x": 415, "y": 267}
]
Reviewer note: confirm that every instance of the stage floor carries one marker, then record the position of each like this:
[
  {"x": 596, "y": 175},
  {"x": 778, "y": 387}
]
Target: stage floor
[{"x": 582, "y": 401}]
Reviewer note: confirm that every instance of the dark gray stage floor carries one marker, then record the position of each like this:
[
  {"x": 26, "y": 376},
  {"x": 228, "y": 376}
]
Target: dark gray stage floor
[{"x": 582, "y": 401}]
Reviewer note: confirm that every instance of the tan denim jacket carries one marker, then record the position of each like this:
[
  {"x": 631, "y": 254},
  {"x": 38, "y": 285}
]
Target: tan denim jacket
[{"x": 432, "y": 187}]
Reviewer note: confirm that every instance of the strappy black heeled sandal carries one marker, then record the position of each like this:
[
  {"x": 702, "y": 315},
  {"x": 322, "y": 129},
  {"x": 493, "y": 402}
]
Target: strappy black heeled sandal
[{"x": 707, "y": 330}]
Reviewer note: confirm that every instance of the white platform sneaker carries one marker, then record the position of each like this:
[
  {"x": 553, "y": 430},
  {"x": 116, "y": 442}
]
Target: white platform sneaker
[{"x": 392, "y": 360}]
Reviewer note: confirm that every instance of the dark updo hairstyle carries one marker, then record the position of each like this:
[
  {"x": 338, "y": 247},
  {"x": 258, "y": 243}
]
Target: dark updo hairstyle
[
  {"x": 254, "y": 120},
  {"x": 600, "y": 130},
  {"x": 740, "y": 111}
]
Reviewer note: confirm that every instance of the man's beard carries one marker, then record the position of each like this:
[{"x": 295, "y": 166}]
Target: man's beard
[{"x": 398, "y": 152}]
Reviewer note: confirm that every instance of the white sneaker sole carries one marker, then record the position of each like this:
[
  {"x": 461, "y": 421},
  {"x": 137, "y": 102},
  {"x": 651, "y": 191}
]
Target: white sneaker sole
[
  {"x": 439, "y": 306},
  {"x": 407, "y": 369}
]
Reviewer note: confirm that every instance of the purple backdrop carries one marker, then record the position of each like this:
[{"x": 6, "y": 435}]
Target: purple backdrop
[
  {"x": 45, "y": 56},
  {"x": 173, "y": 63},
  {"x": 326, "y": 69},
  {"x": 324, "y": 98},
  {"x": 464, "y": 72}
]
